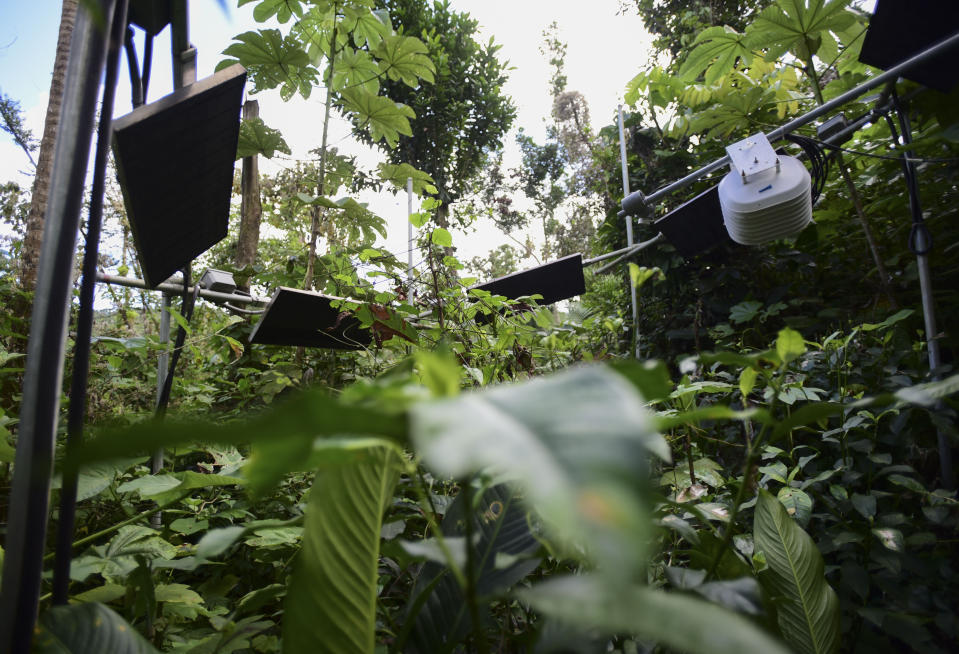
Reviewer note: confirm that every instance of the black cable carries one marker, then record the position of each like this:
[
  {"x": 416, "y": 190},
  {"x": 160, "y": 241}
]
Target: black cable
[
  {"x": 818, "y": 161},
  {"x": 918, "y": 231},
  {"x": 133, "y": 66},
  {"x": 147, "y": 64}
]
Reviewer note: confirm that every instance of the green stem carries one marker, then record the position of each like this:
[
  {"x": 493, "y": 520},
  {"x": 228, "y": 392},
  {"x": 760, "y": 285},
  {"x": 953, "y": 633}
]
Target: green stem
[
  {"x": 109, "y": 530},
  {"x": 444, "y": 547},
  {"x": 470, "y": 590},
  {"x": 752, "y": 451}
]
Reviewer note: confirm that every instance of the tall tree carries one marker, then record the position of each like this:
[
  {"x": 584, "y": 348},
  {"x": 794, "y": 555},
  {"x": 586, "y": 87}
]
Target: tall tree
[
  {"x": 359, "y": 53},
  {"x": 250, "y": 205},
  {"x": 463, "y": 115},
  {"x": 41, "y": 183}
]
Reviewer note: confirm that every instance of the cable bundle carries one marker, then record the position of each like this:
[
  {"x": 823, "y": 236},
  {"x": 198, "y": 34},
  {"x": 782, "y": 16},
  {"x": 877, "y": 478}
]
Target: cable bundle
[{"x": 818, "y": 160}]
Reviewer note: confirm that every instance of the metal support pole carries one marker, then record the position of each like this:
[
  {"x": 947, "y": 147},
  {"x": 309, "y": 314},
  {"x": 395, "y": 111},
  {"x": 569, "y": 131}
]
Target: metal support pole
[
  {"x": 636, "y": 202},
  {"x": 76, "y": 414},
  {"x": 921, "y": 244},
  {"x": 30, "y": 492},
  {"x": 183, "y": 53},
  {"x": 409, "y": 232},
  {"x": 172, "y": 288},
  {"x": 163, "y": 362},
  {"x": 629, "y": 230}
]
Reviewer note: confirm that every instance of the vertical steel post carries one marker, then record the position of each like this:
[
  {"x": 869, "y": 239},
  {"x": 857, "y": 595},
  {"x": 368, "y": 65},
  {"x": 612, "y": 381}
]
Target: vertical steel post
[
  {"x": 921, "y": 246},
  {"x": 629, "y": 228},
  {"x": 409, "y": 232},
  {"x": 163, "y": 362},
  {"x": 36, "y": 437},
  {"x": 183, "y": 53}
]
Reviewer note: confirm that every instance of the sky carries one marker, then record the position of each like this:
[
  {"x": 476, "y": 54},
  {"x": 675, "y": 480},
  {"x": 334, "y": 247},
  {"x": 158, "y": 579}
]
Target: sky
[{"x": 606, "y": 48}]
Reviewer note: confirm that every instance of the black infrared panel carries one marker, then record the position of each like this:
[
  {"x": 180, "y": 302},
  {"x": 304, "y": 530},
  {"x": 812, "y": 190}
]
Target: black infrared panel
[
  {"x": 695, "y": 226},
  {"x": 899, "y": 29},
  {"x": 174, "y": 160},
  {"x": 555, "y": 281},
  {"x": 297, "y": 317}
]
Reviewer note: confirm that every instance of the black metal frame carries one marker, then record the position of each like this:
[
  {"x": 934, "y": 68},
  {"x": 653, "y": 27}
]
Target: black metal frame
[
  {"x": 95, "y": 46},
  {"x": 30, "y": 492},
  {"x": 76, "y": 413}
]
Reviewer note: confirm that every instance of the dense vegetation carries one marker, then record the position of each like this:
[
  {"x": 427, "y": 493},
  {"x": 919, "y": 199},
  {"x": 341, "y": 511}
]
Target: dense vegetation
[{"x": 493, "y": 475}]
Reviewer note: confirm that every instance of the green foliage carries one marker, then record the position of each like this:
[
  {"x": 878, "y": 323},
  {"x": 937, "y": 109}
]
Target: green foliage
[
  {"x": 331, "y": 603},
  {"x": 807, "y": 608},
  {"x": 719, "y": 48},
  {"x": 11, "y": 122},
  {"x": 398, "y": 174},
  {"x": 256, "y": 138},
  {"x": 767, "y": 479},
  {"x": 405, "y": 59},
  {"x": 384, "y": 118},
  {"x": 460, "y": 108},
  {"x": 586, "y": 494},
  {"x": 503, "y": 548},
  {"x": 801, "y": 26},
  {"x": 680, "y": 621},
  {"x": 272, "y": 61},
  {"x": 87, "y": 627}
]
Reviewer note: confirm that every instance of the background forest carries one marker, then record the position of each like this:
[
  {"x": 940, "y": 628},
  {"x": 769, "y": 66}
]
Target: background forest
[{"x": 498, "y": 476}]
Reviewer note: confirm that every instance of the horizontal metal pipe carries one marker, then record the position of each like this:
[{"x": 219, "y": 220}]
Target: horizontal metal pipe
[
  {"x": 170, "y": 287},
  {"x": 636, "y": 201},
  {"x": 626, "y": 251},
  {"x": 638, "y": 247}
]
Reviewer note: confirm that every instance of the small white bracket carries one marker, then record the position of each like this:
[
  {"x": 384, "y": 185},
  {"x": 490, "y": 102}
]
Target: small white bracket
[{"x": 752, "y": 155}]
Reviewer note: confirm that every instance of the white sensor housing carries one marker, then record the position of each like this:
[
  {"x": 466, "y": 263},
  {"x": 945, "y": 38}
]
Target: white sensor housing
[{"x": 764, "y": 197}]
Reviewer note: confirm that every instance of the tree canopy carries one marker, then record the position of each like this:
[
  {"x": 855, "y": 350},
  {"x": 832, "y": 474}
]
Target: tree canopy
[{"x": 463, "y": 114}]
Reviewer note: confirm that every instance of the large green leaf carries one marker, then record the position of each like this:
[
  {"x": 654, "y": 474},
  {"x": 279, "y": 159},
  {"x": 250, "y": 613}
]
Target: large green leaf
[
  {"x": 716, "y": 52},
  {"x": 273, "y": 60},
  {"x": 7, "y": 453},
  {"x": 798, "y": 25},
  {"x": 682, "y": 622},
  {"x": 307, "y": 416},
  {"x": 331, "y": 603},
  {"x": 282, "y": 9},
  {"x": 365, "y": 26},
  {"x": 85, "y": 628},
  {"x": 256, "y": 138},
  {"x": 397, "y": 174},
  {"x": 502, "y": 551},
  {"x": 356, "y": 68},
  {"x": 808, "y": 609},
  {"x": 385, "y": 119},
  {"x": 578, "y": 442},
  {"x": 405, "y": 58},
  {"x": 789, "y": 345}
]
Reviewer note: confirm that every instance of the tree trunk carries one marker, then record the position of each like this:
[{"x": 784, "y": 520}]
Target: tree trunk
[
  {"x": 250, "y": 208},
  {"x": 41, "y": 183}
]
